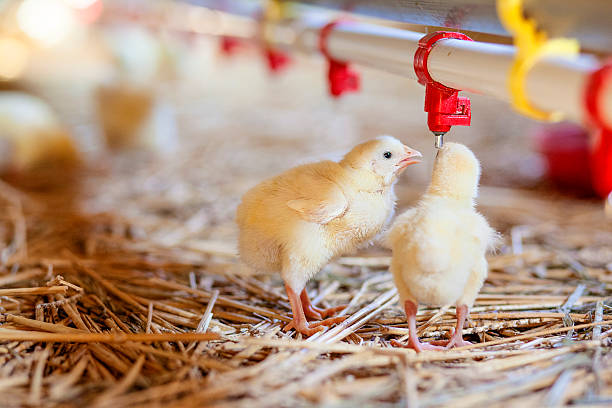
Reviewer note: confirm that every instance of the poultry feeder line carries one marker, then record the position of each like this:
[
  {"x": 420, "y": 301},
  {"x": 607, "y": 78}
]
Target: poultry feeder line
[
  {"x": 553, "y": 84},
  {"x": 585, "y": 21}
]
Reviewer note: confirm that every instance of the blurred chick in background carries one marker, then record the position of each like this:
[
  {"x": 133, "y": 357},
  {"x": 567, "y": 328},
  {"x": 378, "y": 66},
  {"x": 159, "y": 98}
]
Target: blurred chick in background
[
  {"x": 439, "y": 246},
  {"x": 31, "y": 135},
  {"x": 134, "y": 118},
  {"x": 131, "y": 110},
  {"x": 298, "y": 221}
]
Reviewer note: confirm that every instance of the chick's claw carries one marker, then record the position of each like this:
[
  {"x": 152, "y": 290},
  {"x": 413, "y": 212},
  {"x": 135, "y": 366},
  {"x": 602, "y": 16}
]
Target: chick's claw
[
  {"x": 316, "y": 313},
  {"x": 308, "y": 329},
  {"x": 328, "y": 322},
  {"x": 333, "y": 310},
  {"x": 313, "y": 313}
]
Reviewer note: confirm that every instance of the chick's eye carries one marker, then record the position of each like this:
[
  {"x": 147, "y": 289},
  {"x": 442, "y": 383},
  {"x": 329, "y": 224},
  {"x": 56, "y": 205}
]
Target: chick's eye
[{"x": 387, "y": 155}]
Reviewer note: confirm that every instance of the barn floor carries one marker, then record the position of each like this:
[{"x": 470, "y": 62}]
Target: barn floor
[{"x": 136, "y": 243}]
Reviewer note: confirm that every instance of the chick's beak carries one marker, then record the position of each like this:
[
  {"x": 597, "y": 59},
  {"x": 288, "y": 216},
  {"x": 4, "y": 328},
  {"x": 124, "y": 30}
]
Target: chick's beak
[{"x": 412, "y": 157}]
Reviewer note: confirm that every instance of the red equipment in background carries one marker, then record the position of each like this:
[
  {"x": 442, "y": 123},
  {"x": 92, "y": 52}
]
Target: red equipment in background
[
  {"x": 565, "y": 148},
  {"x": 578, "y": 158},
  {"x": 341, "y": 77},
  {"x": 601, "y": 153},
  {"x": 277, "y": 60},
  {"x": 230, "y": 45}
]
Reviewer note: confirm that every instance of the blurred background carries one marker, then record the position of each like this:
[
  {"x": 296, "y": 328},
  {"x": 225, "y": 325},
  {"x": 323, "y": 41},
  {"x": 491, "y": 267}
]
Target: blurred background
[{"x": 144, "y": 109}]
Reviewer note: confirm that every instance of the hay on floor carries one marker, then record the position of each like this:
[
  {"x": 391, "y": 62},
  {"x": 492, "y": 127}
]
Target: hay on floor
[{"x": 95, "y": 312}]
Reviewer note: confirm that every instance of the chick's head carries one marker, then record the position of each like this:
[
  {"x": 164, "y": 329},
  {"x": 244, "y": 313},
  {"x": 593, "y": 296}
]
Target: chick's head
[
  {"x": 456, "y": 172},
  {"x": 385, "y": 156}
]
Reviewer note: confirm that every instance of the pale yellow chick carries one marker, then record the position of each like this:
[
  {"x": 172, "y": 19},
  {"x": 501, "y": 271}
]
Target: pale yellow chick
[
  {"x": 31, "y": 134},
  {"x": 132, "y": 117},
  {"x": 297, "y": 222},
  {"x": 439, "y": 246}
]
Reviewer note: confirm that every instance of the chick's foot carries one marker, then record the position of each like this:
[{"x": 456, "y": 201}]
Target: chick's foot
[
  {"x": 458, "y": 342},
  {"x": 410, "y": 308},
  {"x": 313, "y": 312},
  {"x": 328, "y": 322},
  {"x": 417, "y": 346},
  {"x": 299, "y": 322},
  {"x": 316, "y": 313},
  {"x": 456, "y": 339},
  {"x": 303, "y": 327},
  {"x": 308, "y": 329}
]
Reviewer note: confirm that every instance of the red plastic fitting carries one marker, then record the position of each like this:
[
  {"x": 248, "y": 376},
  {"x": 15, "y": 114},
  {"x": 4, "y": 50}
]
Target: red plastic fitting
[
  {"x": 341, "y": 78},
  {"x": 229, "y": 45},
  {"x": 276, "y": 59},
  {"x": 444, "y": 106},
  {"x": 601, "y": 153},
  {"x": 592, "y": 94}
]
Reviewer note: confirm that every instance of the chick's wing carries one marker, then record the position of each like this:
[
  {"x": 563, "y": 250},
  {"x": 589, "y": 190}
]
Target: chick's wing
[{"x": 328, "y": 204}]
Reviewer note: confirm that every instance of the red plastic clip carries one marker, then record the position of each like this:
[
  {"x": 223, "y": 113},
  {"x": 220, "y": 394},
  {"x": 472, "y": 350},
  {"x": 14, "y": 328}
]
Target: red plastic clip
[
  {"x": 229, "y": 45},
  {"x": 592, "y": 95},
  {"x": 443, "y": 105},
  {"x": 601, "y": 154},
  {"x": 341, "y": 77},
  {"x": 277, "y": 60}
]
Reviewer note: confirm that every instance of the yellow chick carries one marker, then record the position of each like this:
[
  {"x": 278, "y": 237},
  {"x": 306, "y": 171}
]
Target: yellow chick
[
  {"x": 32, "y": 135},
  {"x": 439, "y": 246},
  {"x": 297, "y": 222},
  {"x": 132, "y": 117}
]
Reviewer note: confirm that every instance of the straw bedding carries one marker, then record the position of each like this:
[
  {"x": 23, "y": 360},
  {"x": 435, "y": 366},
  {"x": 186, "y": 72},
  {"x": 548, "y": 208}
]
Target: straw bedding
[{"x": 95, "y": 312}]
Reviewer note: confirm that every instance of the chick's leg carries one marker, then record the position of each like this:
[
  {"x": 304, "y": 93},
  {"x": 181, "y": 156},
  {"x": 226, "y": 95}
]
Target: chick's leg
[
  {"x": 475, "y": 281},
  {"x": 413, "y": 340},
  {"x": 314, "y": 312},
  {"x": 299, "y": 322},
  {"x": 457, "y": 337}
]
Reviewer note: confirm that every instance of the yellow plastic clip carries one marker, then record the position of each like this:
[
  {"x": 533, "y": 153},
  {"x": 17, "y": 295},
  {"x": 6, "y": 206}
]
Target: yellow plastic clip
[
  {"x": 531, "y": 45},
  {"x": 274, "y": 11}
]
